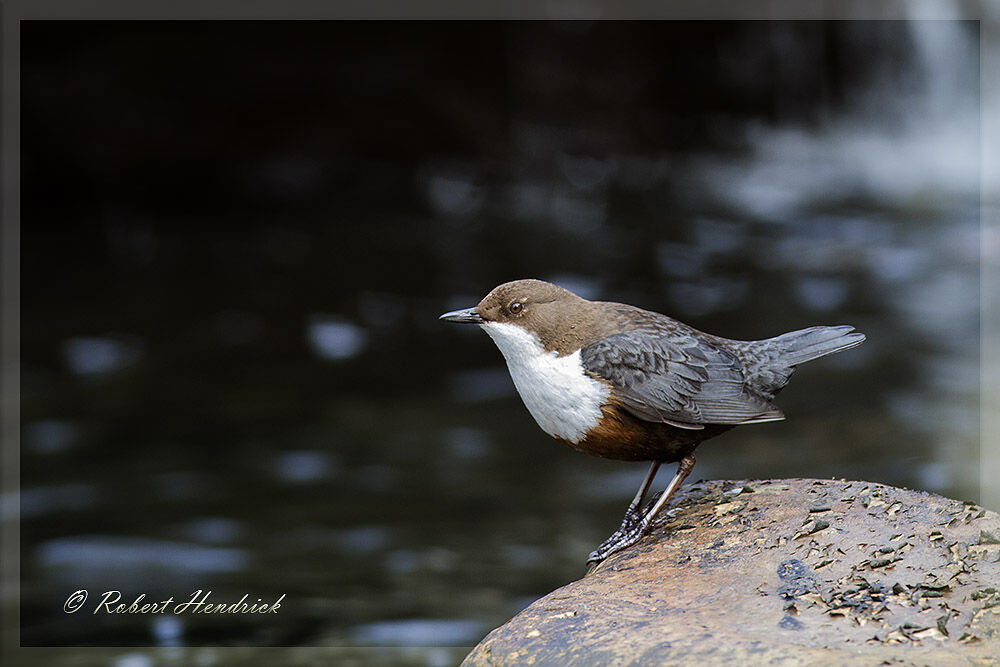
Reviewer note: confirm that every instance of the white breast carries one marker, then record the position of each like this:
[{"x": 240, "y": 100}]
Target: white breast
[{"x": 563, "y": 399}]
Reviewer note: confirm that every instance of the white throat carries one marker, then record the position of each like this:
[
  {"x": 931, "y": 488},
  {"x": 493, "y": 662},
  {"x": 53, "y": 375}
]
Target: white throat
[{"x": 563, "y": 399}]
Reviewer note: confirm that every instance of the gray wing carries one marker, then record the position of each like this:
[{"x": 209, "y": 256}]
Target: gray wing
[{"x": 677, "y": 379}]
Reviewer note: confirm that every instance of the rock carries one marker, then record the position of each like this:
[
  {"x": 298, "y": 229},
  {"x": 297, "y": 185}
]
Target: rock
[{"x": 796, "y": 571}]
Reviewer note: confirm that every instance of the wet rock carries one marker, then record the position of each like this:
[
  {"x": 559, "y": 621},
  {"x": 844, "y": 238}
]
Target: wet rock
[{"x": 794, "y": 571}]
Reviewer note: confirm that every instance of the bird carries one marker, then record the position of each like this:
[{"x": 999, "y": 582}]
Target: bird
[{"x": 619, "y": 382}]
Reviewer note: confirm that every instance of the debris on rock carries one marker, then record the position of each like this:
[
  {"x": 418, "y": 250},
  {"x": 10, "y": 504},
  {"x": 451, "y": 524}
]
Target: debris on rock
[{"x": 802, "y": 571}]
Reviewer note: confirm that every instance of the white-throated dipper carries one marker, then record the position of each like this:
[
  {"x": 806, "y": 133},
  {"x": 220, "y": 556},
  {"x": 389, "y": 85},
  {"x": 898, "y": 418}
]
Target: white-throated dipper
[{"x": 624, "y": 383}]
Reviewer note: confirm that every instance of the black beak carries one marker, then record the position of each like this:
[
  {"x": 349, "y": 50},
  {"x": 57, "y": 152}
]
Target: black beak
[{"x": 466, "y": 315}]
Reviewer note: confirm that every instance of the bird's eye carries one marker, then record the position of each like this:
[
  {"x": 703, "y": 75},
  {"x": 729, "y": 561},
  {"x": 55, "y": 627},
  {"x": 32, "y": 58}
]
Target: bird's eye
[{"x": 516, "y": 307}]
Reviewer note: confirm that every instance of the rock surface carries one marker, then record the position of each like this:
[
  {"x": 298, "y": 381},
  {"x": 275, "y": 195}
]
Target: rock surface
[{"x": 787, "y": 572}]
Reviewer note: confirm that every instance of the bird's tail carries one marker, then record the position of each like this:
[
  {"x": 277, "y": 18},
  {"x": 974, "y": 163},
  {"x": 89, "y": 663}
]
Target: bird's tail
[
  {"x": 769, "y": 363},
  {"x": 798, "y": 347}
]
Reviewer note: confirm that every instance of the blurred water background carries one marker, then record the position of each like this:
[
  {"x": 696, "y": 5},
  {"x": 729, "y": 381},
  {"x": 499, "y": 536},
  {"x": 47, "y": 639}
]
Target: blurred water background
[{"x": 237, "y": 237}]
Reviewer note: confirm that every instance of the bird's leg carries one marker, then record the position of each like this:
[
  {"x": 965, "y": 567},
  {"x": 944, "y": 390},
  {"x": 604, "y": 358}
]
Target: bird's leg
[
  {"x": 632, "y": 514},
  {"x": 631, "y": 531}
]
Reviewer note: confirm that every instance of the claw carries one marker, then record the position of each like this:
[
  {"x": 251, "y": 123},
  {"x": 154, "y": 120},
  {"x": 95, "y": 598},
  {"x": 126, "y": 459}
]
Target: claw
[{"x": 629, "y": 533}]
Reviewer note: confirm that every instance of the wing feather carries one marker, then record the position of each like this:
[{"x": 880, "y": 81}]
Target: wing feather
[{"x": 676, "y": 378}]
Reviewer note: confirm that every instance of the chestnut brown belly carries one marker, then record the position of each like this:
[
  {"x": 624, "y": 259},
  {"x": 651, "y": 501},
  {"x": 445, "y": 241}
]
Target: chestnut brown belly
[{"x": 623, "y": 437}]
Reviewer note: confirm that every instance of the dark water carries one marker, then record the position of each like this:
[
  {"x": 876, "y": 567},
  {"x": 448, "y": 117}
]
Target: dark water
[{"x": 233, "y": 260}]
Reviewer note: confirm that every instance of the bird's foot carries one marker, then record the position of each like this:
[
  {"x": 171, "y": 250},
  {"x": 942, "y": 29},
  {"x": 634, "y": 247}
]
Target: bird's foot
[
  {"x": 633, "y": 528},
  {"x": 635, "y": 525}
]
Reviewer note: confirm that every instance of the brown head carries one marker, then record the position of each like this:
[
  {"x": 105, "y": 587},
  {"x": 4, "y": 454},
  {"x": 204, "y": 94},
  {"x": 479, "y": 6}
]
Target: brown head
[{"x": 562, "y": 321}]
